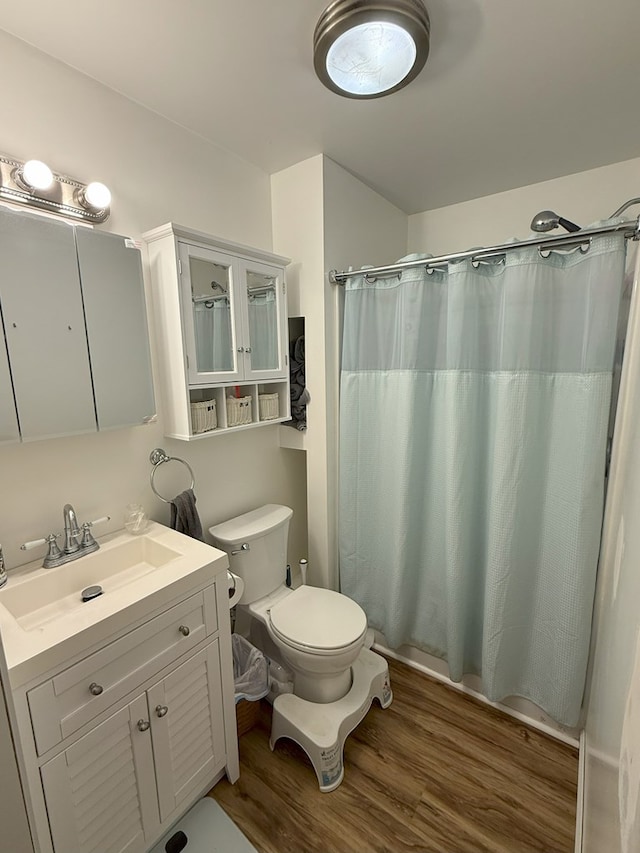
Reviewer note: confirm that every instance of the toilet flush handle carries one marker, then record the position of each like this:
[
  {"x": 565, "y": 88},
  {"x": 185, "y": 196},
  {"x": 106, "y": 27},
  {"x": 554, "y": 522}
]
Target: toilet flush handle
[{"x": 243, "y": 547}]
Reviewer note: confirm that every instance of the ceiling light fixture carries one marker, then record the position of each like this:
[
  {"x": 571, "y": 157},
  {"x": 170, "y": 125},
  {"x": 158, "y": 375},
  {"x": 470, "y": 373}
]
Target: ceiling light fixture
[
  {"x": 34, "y": 184},
  {"x": 369, "y": 48}
]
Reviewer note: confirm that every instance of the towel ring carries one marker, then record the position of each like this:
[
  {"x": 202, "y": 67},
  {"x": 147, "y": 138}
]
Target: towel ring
[{"x": 157, "y": 457}]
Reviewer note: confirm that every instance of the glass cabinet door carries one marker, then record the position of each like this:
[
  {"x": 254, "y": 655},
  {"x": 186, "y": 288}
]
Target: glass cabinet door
[
  {"x": 264, "y": 321},
  {"x": 211, "y": 329}
]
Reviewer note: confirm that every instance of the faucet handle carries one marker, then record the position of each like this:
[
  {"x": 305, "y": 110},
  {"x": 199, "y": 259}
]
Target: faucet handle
[
  {"x": 54, "y": 555},
  {"x": 100, "y": 520},
  {"x": 88, "y": 542},
  {"x": 27, "y": 546}
]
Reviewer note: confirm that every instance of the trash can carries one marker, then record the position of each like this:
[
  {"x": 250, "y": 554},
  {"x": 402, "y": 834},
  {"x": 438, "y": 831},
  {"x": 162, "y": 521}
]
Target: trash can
[{"x": 250, "y": 681}]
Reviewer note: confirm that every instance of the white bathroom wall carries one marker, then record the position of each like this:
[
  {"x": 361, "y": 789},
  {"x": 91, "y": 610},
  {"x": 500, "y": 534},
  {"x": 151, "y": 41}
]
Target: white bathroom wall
[
  {"x": 584, "y": 198},
  {"x": 157, "y": 172},
  {"x": 324, "y": 217}
]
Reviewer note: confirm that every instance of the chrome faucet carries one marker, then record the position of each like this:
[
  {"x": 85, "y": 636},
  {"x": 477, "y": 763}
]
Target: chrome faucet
[
  {"x": 78, "y": 540},
  {"x": 71, "y": 530}
]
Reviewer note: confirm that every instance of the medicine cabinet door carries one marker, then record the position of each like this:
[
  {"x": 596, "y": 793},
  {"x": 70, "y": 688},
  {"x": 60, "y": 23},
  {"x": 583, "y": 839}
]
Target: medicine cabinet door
[
  {"x": 264, "y": 321},
  {"x": 115, "y": 311},
  {"x": 44, "y": 325},
  {"x": 210, "y": 315}
]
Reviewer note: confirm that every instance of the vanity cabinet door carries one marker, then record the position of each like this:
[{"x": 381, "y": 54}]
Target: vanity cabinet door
[
  {"x": 100, "y": 792},
  {"x": 211, "y": 317},
  {"x": 264, "y": 318},
  {"x": 187, "y": 725},
  {"x": 116, "y": 318},
  {"x": 44, "y": 325}
]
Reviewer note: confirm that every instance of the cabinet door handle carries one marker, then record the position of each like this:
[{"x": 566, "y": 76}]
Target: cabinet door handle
[
  {"x": 161, "y": 710},
  {"x": 95, "y": 689},
  {"x": 143, "y": 725},
  {"x": 184, "y": 630},
  {"x": 240, "y": 349},
  {"x": 248, "y": 349}
]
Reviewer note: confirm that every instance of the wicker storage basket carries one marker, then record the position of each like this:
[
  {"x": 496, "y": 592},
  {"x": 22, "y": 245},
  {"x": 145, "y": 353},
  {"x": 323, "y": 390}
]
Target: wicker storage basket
[
  {"x": 247, "y": 715},
  {"x": 238, "y": 411},
  {"x": 269, "y": 405},
  {"x": 203, "y": 416}
]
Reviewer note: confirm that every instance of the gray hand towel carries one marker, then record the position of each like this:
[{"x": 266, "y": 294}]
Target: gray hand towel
[{"x": 184, "y": 515}]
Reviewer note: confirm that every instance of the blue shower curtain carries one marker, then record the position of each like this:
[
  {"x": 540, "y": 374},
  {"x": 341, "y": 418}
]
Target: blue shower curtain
[{"x": 474, "y": 412}]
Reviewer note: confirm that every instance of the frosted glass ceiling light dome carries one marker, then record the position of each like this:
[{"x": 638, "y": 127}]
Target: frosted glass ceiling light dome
[{"x": 368, "y": 49}]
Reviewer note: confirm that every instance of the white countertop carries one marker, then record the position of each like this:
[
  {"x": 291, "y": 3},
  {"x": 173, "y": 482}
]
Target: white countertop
[{"x": 60, "y": 630}]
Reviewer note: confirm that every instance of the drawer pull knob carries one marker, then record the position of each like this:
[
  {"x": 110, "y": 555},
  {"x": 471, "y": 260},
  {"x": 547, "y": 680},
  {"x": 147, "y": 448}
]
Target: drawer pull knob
[
  {"x": 143, "y": 725},
  {"x": 184, "y": 630},
  {"x": 95, "y": 689},
  {"x": 161, "y": 710}
]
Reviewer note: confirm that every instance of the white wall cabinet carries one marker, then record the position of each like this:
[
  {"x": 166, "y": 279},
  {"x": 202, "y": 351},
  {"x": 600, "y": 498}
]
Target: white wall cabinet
[
  {"x": 220, "y": 314},
  {"x": 121, "y": 742},
  {"x": 75, "y": 333}
]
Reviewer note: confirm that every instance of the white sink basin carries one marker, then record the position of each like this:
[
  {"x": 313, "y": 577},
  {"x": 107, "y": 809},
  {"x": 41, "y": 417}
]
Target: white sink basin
[
  {"x": 41, "y": 598},
  {"x": 43, "y": 620}
]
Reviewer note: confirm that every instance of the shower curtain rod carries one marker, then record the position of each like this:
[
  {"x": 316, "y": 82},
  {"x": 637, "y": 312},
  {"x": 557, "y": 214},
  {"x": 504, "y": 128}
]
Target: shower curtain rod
[{"x": 630, "y": 229}]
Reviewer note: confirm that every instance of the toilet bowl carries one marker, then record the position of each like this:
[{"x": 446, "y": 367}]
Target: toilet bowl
[{"x": 318, "y": 633}]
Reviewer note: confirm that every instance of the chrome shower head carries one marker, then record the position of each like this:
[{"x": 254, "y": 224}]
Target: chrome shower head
[{"x": 547, "y": 220}]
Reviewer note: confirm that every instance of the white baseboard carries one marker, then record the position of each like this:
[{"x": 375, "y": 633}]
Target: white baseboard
[{"x": 548, "y": 729}]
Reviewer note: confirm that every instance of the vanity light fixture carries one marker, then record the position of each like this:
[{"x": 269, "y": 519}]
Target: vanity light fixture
[
  {"x": 34, "y": 184},
  {"x": 370, "y": 48},
  {"x": 95, "y": 196},
  {"x": 35, "y": 175}
]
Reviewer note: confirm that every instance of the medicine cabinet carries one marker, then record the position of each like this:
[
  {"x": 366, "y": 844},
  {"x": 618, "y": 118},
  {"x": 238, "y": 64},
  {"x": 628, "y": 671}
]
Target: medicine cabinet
[
  {"x": 75, "y": 355},
  {"x": 222, "y": 332}
]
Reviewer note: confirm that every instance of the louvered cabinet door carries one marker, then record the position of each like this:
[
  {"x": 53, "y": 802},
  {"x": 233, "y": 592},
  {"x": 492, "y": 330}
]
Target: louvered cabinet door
[
  {"x": 100, "y": 792},
  {"x": 188, "y": 728}
]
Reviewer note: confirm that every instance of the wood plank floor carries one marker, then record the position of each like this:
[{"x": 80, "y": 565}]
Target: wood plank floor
[{"x": 436, "y": 772}]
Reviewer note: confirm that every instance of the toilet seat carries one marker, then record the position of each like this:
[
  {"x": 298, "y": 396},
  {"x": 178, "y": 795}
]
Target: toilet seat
[{"x": 318, "y": 621}]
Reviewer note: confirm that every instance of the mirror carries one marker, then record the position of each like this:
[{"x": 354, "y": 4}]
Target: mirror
[
  {"x": 210, "y": 294},
  {"x": 263, "y": 320}
]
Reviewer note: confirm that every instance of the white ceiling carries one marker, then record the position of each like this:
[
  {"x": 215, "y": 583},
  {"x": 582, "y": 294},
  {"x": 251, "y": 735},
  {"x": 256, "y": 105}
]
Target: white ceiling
[{"x": 513, "y": 93}]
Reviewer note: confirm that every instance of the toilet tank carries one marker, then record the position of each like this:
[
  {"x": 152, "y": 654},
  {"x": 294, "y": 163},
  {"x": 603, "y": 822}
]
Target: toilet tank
[{"x": 263, "y": 564}]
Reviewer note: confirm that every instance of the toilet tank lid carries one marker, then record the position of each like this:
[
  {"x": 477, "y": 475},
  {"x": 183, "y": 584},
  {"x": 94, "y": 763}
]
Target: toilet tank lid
[{"x": 251, "y": 525}]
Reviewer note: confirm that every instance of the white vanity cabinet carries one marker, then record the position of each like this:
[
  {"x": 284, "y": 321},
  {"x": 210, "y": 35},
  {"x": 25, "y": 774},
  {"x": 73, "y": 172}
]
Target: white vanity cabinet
[
  {"x": 75, "y": 332},
  {"x": 117, "y": 743},
  {"x": 115, "y": 787},
  {"x": 222, "y": 332}
]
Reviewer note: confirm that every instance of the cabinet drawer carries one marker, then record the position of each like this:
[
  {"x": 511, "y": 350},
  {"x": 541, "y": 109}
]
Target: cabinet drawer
[{"x": 69, "y": 700}]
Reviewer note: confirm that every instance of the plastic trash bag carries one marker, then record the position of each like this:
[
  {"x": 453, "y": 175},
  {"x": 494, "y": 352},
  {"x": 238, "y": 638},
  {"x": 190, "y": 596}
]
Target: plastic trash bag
[{"x": 250, "y": 671}]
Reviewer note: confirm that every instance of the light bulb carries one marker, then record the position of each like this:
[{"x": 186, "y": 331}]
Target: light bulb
[
  {"x": 371, "y": 58},
  {"x": 97, "y": 195},
  {"x": 37, "y": 175}
]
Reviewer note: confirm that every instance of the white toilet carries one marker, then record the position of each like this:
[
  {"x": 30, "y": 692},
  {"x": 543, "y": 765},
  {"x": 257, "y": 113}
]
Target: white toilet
[{"x": 317, "y": 632}]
